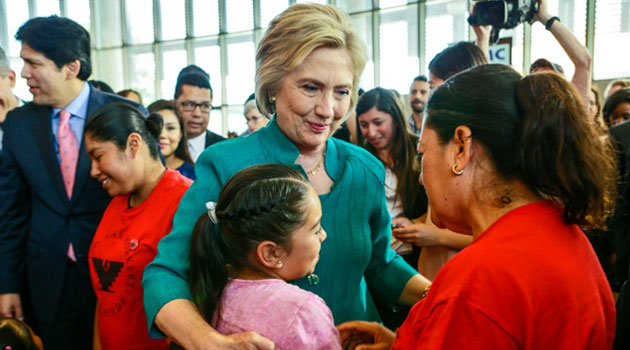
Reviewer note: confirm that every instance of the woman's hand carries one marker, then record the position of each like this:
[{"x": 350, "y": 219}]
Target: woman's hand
[
  {"x": 401, "y": 222},
  {"x": 420, "y": 234},
  {"x": 247, "y": 341},
  {"x": 361, "y": 335}
]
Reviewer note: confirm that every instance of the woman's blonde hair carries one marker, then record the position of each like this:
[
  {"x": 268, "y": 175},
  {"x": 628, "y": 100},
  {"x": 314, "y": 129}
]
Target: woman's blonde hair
[{"x": 290, "y": 39}]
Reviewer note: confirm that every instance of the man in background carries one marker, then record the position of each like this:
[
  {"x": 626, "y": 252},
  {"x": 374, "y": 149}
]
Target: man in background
[
  {"x": 193, "y": 96},
  {"x": 418, "y": 97}
]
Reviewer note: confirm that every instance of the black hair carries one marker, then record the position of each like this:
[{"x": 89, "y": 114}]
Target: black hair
[
  {"x": 250, "y": 97},
  {"x": 546, "y": 64},
  {"x": 618, "y": 97},
  {"x": 181, "y": 151},
  {"x": 421, "y": 78},
  {"x": 14, "y": 334},
  {"x": 114, "y": 122},
  {"x": 260, "y": 203},
  {"x": 403, "y": 152},
  {"x": 101, "y": 85},
  {"x": 455, "y": 59},
  {"x": 124, "y": 93},
  {"x": 60, "y": 39},
  {"x": 534, "y": 131},
  {"x": 194, "y": 76}
]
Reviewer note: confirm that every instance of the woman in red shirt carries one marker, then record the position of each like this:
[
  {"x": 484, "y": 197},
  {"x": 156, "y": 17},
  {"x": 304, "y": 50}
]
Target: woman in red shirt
[
  {"x": 515, "y": 162},
  {"x": 125, "y": 159}
]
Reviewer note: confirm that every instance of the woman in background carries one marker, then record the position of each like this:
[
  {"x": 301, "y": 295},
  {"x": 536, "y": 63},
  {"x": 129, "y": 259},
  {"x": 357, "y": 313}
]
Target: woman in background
[
  {"x": 384, "y": 133},
  {"x": 617, "y": 107},
  {"x": 173, "y": 140},
  {"x": 131, "y": 95},
  {"x": 255, "y": 119}
]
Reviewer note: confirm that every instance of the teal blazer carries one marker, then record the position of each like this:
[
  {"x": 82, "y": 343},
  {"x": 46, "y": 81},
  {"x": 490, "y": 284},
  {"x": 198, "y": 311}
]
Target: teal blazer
[{"x": 356, "y": 261}]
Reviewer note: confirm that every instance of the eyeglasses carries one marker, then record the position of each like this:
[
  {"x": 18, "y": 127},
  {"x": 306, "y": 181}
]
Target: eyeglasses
[{"x": 189, "y": 106}]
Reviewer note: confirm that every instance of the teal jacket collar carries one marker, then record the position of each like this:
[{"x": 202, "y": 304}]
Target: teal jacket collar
[{"x": 277, "y": 146}]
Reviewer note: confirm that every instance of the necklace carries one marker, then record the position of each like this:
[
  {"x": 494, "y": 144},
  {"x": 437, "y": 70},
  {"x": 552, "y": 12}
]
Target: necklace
[{"x": 318, "y": 166}]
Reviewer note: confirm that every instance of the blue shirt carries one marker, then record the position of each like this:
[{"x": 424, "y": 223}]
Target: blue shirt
[{"x": 78, "y": 113}]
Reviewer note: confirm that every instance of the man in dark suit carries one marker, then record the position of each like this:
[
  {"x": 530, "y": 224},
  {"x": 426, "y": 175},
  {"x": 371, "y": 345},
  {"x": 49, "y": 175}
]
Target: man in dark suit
[
  {"x": 193, "y": 96},
  {"x": 50, "y": 207}
]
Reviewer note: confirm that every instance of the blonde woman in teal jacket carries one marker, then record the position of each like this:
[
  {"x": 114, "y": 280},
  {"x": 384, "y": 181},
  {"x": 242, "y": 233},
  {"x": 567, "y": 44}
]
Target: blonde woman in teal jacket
[{"x": 308, "y": 68}]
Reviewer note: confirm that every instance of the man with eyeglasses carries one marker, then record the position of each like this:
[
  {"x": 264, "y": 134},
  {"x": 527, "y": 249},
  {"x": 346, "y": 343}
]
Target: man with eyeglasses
[{"x": 193, "y": 96}]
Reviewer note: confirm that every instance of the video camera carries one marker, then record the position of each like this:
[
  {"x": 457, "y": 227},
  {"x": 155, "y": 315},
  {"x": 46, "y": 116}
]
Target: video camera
[{"x": 502, "y": 14}]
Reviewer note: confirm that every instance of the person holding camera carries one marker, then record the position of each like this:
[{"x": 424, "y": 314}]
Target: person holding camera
[{"x": 578, "y": 54}]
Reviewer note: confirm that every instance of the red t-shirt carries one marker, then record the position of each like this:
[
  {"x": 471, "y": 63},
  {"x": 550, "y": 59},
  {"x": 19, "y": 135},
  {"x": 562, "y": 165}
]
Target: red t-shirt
[
  {"x": 124, "y": 243},
  {"x": 529, "y": 282}
]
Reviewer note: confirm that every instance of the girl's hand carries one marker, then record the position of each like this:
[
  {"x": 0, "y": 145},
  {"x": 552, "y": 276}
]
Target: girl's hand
[{"x": 361, "y": 335}]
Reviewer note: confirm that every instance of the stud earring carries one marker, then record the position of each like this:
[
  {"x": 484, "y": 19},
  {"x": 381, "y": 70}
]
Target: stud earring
[
  {"x": 455, "y": 171},
  {"x": 272, "y": 99}
]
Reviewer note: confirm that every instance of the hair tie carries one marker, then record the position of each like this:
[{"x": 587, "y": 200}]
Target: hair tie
[{"x": 212, "y": 213}]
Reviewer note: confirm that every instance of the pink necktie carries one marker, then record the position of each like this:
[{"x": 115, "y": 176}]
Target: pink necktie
[
  {"x": 68, "y": 154},
  {"x": 68, "y": 151}
]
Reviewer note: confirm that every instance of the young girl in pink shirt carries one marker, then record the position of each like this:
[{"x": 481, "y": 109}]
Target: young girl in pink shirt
[{"x": 264, "y": 230}]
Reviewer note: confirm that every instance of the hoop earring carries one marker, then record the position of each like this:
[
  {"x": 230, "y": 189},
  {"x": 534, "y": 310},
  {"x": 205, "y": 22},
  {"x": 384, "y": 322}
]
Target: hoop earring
[{"x": 455, "y": 171}]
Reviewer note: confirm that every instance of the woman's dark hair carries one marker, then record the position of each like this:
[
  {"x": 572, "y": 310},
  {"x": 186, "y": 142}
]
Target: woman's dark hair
[
  {"x": 101, "y": 85},
  {"x": 403, "y": 152},
  {"x": 455, "y": 59},
  {"x": 259, "y": 203},
  {"x": 14, "y": 334},
  {"x": 181, "y": 151},
  {"x": 124, "y": 93},
  {"x": 534, "y": 131},
  {"x": 114, "y": 122},
  {"x": 60, "y": 39},
  {"x": 618, "y": 97}
]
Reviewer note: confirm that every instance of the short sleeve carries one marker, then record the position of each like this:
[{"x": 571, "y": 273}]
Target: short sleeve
[{"x": 452, "y": 324}]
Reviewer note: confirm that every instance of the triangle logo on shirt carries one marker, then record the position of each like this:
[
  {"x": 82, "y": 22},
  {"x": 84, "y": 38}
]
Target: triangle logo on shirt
[{"x": 107, "y": 272}]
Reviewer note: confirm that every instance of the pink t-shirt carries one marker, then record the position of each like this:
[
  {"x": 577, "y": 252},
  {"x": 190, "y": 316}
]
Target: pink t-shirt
[{"x": 289, "y": 316}]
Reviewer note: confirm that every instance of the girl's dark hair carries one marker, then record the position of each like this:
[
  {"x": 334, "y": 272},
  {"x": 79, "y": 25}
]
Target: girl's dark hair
[
  {"x": 16, "y": 335},
  {"x": 534, "y": 131},
  {"x": 115, "y": 121},
  {"x": 259, "y": 203},
  {"x": 618, "y": 97},
  {"x": 181, "y": 151},
  {"x": 455, "y": 59},
  {"x": 405, "y": 164}
]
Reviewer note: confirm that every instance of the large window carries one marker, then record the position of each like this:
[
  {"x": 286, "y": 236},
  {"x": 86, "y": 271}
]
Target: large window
[
  {"x": 142, "y": 44},
  {"x": 612, "y": 39}
]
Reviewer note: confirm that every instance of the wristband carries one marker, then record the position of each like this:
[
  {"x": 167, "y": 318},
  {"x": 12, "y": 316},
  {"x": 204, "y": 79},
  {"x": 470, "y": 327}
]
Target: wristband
[{"x": 550, "y": 22}]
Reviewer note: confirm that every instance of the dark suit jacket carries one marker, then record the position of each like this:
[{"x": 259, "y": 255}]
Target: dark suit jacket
[
  {"x": 37, "y": 220},
  {"x": 620, "y": 229},
  {"x": 212, "y": 138}
]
